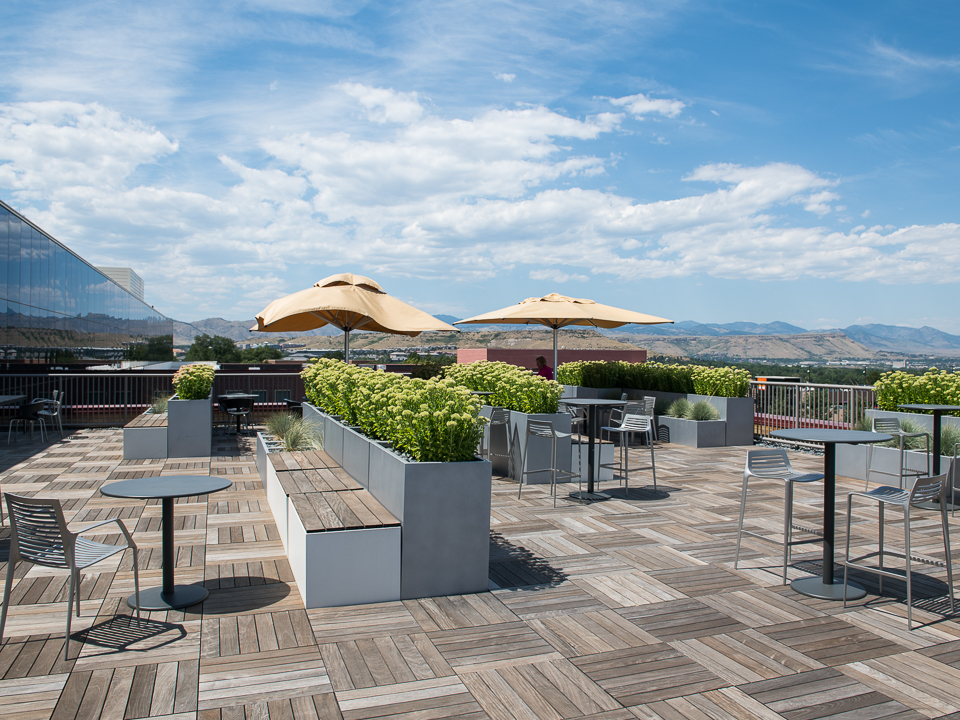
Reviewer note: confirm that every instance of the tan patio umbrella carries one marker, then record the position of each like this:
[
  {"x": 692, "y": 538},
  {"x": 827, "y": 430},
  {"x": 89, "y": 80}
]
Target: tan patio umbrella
[
  {"x": 349, "y": 302},
  {"x": 557, "y": 311}
]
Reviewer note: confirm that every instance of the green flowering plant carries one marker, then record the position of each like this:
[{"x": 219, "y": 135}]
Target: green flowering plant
[
  {"x": 193, "y": 382},
  {"x": 719, "y": 382},
  {"x": 513, "y": 387},
  {"x": 937, "y": 387},
  {"x": 430, "y": 420}
]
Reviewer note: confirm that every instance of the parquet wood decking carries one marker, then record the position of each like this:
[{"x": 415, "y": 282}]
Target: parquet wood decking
[{"x": 627, "y": 608}]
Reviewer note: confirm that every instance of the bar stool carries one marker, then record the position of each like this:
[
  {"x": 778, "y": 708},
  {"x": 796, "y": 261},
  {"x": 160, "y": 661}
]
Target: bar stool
[
  {"x": 925, "y": 489},
  {"x": 891, "y": 426},
  {"x": 628, "y": 426},
  {"x": 544, "y": 429},
  {"x": 773, "y": 464}
]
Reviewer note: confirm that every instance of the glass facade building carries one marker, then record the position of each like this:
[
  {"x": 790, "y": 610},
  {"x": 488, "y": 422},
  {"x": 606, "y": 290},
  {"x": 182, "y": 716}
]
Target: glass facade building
[{"x": 57, "y": 308}]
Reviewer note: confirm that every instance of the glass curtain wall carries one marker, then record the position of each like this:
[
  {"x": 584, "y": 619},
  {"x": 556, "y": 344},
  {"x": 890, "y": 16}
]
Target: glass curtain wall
[{"x": 55, "y": 308}]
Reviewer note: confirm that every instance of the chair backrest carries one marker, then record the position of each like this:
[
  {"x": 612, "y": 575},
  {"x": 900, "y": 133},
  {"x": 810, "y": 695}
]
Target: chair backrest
[
  {"x": 926, "y": 489},
  {"x": 647, "y": 405},
  {"x": 768, "y": 461},
  {"x": 886, "y": 425},
  {"x": 637, "y": 423},
  {"x": 499, "y": 416},
  {"x": 40, "y": 532},
  {"x": 623, "y": 396},
  {"x": 540, "y": 428}
]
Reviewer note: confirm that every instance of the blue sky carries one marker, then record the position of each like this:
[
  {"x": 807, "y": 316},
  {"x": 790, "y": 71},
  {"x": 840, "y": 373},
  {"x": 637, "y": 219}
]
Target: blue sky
[{"x": 716, "y": 161}]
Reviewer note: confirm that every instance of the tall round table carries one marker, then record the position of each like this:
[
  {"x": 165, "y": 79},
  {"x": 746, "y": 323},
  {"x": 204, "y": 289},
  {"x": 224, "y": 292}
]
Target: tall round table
[
  {"x": 166, "y": 488},
  {"x": 937, "y": 411},
  {"x": 825, "y": 587},
  {"x": 591, "y": 404}
]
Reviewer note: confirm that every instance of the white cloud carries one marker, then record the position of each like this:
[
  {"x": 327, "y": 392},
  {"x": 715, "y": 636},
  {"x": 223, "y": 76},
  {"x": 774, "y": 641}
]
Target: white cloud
[
  {"x": 429, "y": 197},
  {"x": 639, "y": 105},
  {"x": 506, "y": 77},
  {"x": 556, "y": 276}
]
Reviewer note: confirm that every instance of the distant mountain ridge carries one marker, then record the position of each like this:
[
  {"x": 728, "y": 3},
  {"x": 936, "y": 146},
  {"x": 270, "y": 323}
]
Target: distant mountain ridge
[{"x": 882, "y": 338}]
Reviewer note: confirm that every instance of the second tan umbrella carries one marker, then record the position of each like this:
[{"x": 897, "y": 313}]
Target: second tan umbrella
[
  {"x": 558, "y": 311},
  {"x": 349, "y": 302}
]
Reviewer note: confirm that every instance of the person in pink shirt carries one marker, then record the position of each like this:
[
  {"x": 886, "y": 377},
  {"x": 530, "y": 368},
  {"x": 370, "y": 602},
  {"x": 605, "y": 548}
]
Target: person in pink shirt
[{"x": 544, "y": 370}]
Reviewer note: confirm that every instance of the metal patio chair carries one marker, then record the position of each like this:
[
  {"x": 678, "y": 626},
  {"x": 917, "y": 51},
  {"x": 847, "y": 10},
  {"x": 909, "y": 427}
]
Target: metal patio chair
[
  {"x": 891, "y": 426},
  {"x": 40, "y": 536},
  {"x": 544, "y": 429}
]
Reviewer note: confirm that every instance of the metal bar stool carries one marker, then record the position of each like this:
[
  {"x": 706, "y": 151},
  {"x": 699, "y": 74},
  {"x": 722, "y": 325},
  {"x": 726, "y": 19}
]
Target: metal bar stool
[
  {"x": 629, "y": 425},
  {"x": 891, "y": 426},
  {"x": 925, "y": 489},
  {"x": 544, "y": 429},
  {"x": 773, "y": 464}
]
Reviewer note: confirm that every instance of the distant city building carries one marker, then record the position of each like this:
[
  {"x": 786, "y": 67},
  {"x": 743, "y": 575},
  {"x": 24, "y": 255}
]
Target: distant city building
[
  {"x": 57, "y": 308},
  {"x": 125, "y": 278}
]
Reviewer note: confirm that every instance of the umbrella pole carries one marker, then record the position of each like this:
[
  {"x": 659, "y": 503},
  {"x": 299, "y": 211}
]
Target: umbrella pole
[
  {"x": 555, "y": 353},
  {"x": 346, "y": 346}
]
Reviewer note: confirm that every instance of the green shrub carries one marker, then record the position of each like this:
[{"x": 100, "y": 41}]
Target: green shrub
[
  {"x": 193, "y": 382},
  {"x": 513, "y": 387},
  {"x": 934, "y": 387},
  {"x": 159, "y": 404},
  {"x": 949, "y": 436},
  {"x": 719, "y": 382},
  {"x": 679, "y": 408},
  {"x": 294, "y": 432},
  {"x": 703, "y": 410},
  {"x": 431, "y": 420}
]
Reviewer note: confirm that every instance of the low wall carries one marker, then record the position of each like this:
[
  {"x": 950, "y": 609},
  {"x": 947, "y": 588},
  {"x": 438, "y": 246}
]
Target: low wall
[{"x": 527, "y": 358}]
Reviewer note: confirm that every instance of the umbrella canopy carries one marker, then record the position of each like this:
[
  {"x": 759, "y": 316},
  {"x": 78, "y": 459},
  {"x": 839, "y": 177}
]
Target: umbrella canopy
[
  {"x": 349, "y": 302},
  {"x": 558, "y": 311}
]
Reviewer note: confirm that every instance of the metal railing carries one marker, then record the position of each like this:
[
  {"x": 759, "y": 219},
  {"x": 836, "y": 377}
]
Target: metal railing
[
  {"x": 779, "y": 405},
  {"x": 112, "y": 399}
]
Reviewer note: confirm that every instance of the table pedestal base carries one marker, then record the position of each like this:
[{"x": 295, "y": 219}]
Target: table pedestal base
[
  {"x": 181, "y": 597},
  {"x": 582, "y": 495},
  {"x": 934, "y": 505},
  {"x": 816, "y": 588}
]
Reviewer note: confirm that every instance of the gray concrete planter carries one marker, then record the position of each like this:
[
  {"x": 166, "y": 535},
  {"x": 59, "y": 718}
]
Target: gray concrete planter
[
  {"x": 444, "y": 510},
  {"x": 189, "y": 427},
  {"x": 331, "y": 431},
  {"x": 692, "y": 433},
  {"x": 538, "y": 453},
  {"x": 577, "y": 391},
  {"x": 356, "y": 454},
  {"x": 737, "y": 413},
  {"x": 852, "y": 463},
  {"x": 144, "y": 443}
]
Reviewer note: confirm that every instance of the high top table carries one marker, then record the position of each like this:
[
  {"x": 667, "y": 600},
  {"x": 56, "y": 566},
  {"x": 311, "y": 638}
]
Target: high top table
[
  {"x": 166, "y": 488},
  {"x": 938, "y": 411},
  {"x": 825, "y": 587},
  {"x": 592, "y": 404}
]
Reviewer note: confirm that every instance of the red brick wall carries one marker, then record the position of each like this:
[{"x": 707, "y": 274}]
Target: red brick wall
[{"x": 527, "y": 358}]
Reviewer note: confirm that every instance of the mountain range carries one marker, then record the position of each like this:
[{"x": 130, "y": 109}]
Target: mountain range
[{"x": 877, "y": 337}]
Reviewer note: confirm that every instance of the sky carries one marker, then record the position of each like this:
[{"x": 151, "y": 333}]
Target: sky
[{"x": 714, "y": 161}]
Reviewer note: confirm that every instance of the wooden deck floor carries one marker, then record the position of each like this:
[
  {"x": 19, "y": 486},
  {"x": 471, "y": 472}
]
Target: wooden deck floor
[{"x": 628, "y": 608}]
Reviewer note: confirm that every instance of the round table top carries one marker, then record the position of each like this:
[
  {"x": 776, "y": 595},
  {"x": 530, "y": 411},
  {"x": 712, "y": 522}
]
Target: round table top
[
  {"x": 237, "y": 395},
  {"x": 591, "y": 401},
  {"x": 166, "y": 486},
  {"x": 927, "y": 406},
  {"x": 821, "y": 435},
  {"x": 481, "y": 392}
]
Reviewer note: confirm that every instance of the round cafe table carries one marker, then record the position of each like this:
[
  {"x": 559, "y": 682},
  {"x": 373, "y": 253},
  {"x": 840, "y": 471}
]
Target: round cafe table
[
  {"x": 592, "y": 424},
  {"x": 166, "y": 488},
  {"x": 826, "y": 587}
]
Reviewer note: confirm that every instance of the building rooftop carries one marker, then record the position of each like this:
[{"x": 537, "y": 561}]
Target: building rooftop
[{"x": 619, "y": 609}]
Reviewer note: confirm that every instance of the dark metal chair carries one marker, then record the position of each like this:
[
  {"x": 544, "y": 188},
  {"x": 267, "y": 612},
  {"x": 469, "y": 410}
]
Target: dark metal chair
[{"x": 29, "y": 413}]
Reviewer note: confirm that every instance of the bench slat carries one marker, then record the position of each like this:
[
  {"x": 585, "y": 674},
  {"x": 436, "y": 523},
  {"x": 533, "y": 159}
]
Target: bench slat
[
  {"x": 308, "y": 516},
  {"x": 382, "y": 515},
  {"x": 328, "y": 516},
  {"x": 352, "y": 500},
  {"x": 343, "y": 511},
  {"x": 276, "y": 459}
]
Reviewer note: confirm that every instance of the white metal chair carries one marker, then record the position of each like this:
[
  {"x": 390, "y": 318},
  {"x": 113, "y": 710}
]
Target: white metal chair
[
  {"x": 499, "y": 423},
  {"x": 51, "y": 412},
  {"x": 924, "y": 490},
  {"x": 773, "y": 464},
  {"x": 40, "y": 536},
  {"x": 543, "y": 429},
  {"x": 29, "y": 413},
  {"x": 891, "y": 426},
  {"x": 617, "y": 415},
  {"x": 629, "y": 425}
]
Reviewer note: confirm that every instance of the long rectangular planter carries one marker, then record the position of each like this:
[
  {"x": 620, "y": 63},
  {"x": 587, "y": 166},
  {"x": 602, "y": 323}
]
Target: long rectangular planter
[
  {"x": 852, "y": 463},
  {"x": 444, "y": 510},
  {"x": 144, "y": 443},
  {"x": 356, "y": 455},
  {"x": 692, "y": 433},
  {"x": 189, "y": 427}
]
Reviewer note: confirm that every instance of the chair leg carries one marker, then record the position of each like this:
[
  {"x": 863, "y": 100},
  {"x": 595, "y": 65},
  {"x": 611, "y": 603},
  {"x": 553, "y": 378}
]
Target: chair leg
[
  {"x": 136, "y": 581},
  {"x": 66, "y": 642},
  {"x": 881, "y": 520},
  {"x": 7, "y": 587},
  {"x": 906, "y": 542},
  {"x": 846, "y": 553},
  {"x": 787, "y": 525},
  {"x": 743, "y": 504},
  {"x": 653, "y": 467},
  {"x": 946, "y": 548},
  {"x": 77, "y": 572}
]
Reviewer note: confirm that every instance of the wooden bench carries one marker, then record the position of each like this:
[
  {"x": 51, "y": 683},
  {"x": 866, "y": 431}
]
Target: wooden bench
[
  {"x": 343, "y": 545},
  {"x": 145, "y": 437}
]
